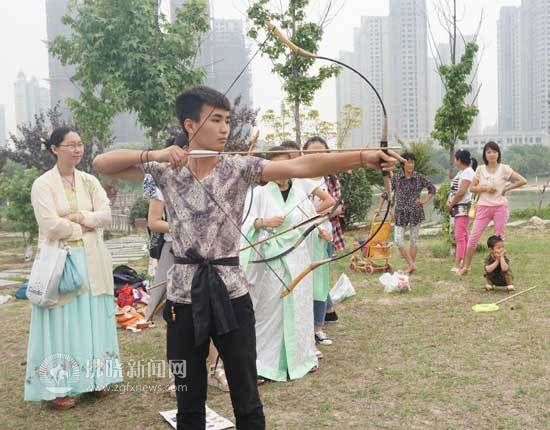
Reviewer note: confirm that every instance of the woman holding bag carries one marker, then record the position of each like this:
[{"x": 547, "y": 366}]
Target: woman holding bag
[{"x": 73, "y": 346}]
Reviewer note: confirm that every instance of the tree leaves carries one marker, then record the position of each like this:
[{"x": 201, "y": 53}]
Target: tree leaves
[{"x": 129, "y": 58}]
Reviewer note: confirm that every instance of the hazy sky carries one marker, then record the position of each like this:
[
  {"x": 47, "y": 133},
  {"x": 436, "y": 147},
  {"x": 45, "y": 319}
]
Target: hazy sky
[{"x": 23, "y": 30}]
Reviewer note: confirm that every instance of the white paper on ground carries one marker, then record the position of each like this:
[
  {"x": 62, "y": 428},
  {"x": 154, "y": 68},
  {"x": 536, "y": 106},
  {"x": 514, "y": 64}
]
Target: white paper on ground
[{"x": 213, "y": 420}]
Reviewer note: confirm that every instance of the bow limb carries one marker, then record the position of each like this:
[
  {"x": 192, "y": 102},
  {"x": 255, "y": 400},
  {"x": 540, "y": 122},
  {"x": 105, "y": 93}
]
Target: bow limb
[
  {"x": 283, "y": 283},
  {"x": 294, "y": 227},
  {"x": 302, "y": 275},
  {"x": 253, "y": 142},
  {"x": 310, "y": 229},
  {"x": 383, "y": 140}
]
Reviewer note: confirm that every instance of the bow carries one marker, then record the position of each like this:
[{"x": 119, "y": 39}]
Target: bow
[
  {"x": 383, "y": 144},
  {"x": 309, "y": 230}
]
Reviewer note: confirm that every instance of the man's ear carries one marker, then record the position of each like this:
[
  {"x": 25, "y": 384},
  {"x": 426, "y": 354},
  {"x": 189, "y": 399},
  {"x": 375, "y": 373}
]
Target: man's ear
[{"x": 189, "y": 126}]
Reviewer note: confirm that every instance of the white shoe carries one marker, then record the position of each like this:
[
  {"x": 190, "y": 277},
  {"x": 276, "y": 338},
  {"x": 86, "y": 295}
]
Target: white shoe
[
  {"x": 319, "y": 354},
  {"x": 455, "y": 270},
  {"x": 322, "y": 339}
]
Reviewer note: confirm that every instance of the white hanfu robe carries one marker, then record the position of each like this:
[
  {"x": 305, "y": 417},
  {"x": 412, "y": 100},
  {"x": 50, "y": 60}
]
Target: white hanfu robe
[{"x": 284, "y": 326}]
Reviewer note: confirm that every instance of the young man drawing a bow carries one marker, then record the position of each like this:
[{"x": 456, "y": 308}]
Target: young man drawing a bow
[{"x": 207, "y": 291}]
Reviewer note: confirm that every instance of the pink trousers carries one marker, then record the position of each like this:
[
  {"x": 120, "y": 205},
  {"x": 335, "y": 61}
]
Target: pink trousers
[
  {"x": 486, "y": 214},
  {"x": 461, "y": 235}
]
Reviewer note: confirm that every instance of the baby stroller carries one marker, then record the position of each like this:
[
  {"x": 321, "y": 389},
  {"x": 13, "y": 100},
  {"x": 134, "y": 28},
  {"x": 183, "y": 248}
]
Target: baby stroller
[{"x": 376, "y": 254}]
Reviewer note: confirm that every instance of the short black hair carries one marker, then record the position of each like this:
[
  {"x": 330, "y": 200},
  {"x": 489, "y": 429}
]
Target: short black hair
[
  {"x": 277, "y": 148},
  {"x": 493, "y": 240},
  {"x": 315, "y": 139},
  {"x": 494, "y": 146},
  {"x": 190, "y": 102},
  {"x": 409, "y": 156},
  {"x": 290, "y": 144}
]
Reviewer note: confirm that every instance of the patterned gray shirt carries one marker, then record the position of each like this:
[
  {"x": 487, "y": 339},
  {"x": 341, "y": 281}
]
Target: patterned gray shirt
[{"x": 198, "y": 222}]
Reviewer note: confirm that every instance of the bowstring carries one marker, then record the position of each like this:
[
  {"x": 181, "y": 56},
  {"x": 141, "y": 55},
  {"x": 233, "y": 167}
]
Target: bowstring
[{"x": 204, "y": 188}]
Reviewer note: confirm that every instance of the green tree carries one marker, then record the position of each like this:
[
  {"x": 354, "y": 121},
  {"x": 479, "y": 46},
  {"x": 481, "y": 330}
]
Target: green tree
[
  {"x": 299, "y": 82},
  {"x": 351, "y": 119},
  {"x": 15, "y": 191},
  {"x": 29, "y": 149},
  {"x": 281, "y": 125},
  {"x": 423, "y": 152},
  {"x": 128, "y": 57},
  {"x": 455, "y": 117},
  {"x": 358, "y": 201},
  {"x": 529, "y": 160}
]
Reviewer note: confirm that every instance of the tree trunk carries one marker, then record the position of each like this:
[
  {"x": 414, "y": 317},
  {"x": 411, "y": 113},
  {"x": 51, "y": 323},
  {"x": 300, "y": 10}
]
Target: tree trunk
[
  {"x": 296, "y": 75},
  {"x": 451, "y": 161},
  {"x": 154, "y": 137},
  {"x": 297, "y": 121}
]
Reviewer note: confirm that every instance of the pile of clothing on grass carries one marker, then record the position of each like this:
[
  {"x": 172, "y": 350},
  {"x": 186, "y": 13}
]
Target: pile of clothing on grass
[{"x": 132, "y": 298}]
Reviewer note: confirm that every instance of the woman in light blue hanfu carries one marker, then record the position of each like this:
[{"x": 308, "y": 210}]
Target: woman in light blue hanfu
[{"x": 73, "y": 346}]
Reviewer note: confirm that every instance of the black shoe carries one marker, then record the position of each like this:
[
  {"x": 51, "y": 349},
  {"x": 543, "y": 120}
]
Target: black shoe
[{"x": 331, "y": 317}]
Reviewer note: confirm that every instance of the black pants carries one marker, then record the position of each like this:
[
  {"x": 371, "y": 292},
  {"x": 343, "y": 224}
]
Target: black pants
[{"x": 237, "y": 349}]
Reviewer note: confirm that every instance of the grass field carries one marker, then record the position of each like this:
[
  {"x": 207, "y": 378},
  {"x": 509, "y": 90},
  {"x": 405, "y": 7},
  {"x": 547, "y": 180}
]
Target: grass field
[{"x": 421, "y": 360}]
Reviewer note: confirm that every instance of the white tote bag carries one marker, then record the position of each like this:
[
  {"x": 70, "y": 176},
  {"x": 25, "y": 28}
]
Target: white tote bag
[{"x": 46, "y": 273}]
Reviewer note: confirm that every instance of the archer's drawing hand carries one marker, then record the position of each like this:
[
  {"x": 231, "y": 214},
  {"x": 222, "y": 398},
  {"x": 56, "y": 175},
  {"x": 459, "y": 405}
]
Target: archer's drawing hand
[
  {"x": 176, "y": 156},
  {"x": 380, "y": 160}
]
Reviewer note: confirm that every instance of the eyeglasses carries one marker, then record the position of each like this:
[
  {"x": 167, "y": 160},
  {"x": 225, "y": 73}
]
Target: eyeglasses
[{"x": 73, "y": 146}]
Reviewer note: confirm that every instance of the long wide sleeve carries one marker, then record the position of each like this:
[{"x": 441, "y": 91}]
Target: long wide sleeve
[
  {"x": 52, "y": 226},
  {"x": 100, "y": 216}
]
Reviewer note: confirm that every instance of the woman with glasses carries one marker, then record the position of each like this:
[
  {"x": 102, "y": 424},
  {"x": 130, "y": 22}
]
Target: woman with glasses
[{"x": 73, "y": 346}]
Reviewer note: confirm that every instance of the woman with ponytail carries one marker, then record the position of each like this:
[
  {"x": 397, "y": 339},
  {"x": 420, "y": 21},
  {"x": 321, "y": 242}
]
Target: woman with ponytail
[{"x": 460, "y": 200}]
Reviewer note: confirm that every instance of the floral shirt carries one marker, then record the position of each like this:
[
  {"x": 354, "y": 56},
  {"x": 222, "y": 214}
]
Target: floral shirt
[
  {"x": 197, "y": 222},
  {"x": 406, "y": 191}
]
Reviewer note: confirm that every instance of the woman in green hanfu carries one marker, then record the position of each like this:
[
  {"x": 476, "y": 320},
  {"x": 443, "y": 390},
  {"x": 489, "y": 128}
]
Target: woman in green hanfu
[{"x": 285, "y": 342}]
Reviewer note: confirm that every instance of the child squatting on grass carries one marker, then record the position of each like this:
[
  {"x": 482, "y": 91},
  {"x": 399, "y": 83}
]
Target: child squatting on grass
[{"x": 497, "y": 266}]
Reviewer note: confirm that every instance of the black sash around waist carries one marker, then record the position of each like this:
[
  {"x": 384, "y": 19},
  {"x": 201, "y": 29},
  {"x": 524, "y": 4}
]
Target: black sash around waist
[{"x": 209, "y": 296}]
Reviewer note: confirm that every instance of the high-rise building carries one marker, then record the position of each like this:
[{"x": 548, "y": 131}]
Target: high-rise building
[
  {"x": 30, "y": 98},
  {"x": 408, "y": 107},
  {"x": 229, "y": 55},
  {"x": 3, "y": 140},
  {"x": 223, "y": 54},
  {"x": 397, "y": 66},
  {"x": 348, "y": 93},
  {"x": 535, "y": 64},
  {"x": 125, "y": 127},
  {"x": 370, "y": 58},
  {"x": 524, "y": 67},
  {"x": 61, "y": 87},
  {"x": 509, "y": 69}
]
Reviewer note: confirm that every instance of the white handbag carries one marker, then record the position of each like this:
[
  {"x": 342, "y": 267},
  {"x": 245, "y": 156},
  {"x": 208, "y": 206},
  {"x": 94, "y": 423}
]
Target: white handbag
[{"x": 46, "y": 273}]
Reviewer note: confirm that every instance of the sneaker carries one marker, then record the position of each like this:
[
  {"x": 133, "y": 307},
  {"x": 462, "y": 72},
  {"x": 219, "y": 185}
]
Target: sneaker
[
  {"x": 455, "y": 270},
  {"x": 322, "y": 339},
  {"x": 216, "y": 378},
  {"x": 62, "y": 403},
  {"x": 489, "y": 287},
  {"x": 331, "y": 317},
  {"x": 510, "y": 288},
  {"x": 319, "y": 354}
]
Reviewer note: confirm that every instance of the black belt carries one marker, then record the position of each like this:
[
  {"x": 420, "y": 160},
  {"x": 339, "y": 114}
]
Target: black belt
[{"x": 209, "y": 296}]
